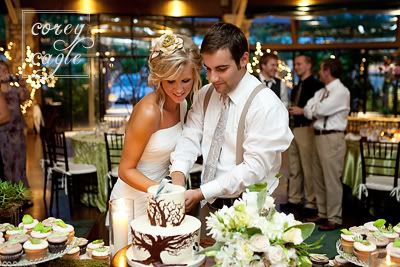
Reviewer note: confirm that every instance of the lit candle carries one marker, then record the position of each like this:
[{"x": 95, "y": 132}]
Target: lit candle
[
  {"x": 120, "y": 224},
  {"x": 388, "y": 262}
]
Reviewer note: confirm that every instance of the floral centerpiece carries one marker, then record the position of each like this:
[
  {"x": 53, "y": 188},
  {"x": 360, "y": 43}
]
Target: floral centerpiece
[{"x": 253, "y": 233}]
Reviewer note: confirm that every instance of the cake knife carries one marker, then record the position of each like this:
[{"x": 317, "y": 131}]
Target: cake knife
[{"x": 162, "y": 184}]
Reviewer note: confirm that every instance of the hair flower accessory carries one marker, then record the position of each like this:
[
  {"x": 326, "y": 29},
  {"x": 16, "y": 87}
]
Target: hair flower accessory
[{"x": 167, "y": 44}]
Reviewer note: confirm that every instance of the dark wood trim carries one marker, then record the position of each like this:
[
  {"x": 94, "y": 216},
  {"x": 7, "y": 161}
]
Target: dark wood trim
[{"x": 301, "y": 47}]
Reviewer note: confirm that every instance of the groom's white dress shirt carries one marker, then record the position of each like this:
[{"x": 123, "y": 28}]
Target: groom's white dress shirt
[{"x": 267, "y": 134}]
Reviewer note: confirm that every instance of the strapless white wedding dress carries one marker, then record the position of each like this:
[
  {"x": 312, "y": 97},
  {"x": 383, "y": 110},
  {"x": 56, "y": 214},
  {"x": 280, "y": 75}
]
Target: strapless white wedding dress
[{"x": 154, "y": 163}]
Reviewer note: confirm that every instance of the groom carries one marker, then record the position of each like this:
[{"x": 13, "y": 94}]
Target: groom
[{"x": 212, "y": 126}]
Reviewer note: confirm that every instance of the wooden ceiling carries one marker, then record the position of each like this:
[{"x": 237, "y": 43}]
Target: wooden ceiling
[{"x": 207, "y": 7}]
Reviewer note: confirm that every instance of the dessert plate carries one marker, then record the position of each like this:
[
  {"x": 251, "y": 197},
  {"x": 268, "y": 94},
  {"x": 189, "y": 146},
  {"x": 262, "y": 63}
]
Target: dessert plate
[{"x": 198, "y": 261}]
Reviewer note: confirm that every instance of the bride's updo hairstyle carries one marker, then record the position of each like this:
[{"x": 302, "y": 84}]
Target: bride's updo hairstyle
[{"x": 169, "y": 55}]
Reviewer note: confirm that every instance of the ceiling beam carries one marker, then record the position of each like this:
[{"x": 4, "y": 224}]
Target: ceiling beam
[{"x": 11, "y": 12}]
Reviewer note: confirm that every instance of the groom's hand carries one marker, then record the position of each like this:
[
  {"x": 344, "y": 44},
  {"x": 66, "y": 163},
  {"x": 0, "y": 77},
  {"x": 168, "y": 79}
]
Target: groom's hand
[
  {"x": 178, "y": 178},
  {"x": 192, "y": 197}
]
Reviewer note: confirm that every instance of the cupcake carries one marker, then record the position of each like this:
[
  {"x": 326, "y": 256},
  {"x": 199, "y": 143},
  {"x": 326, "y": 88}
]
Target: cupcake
[
  {"x": 397, "y": 228},
  {"x": 10, "y": 252},
  {"x": 347, "y": 240},
  {"x": 393, "y": 250},
  {"x": 93, "y": 245},
  {"x": 375, "y": 225},
  {"x": 28, "y": 222},
  {"x": 49, "y": 222},
  {"x": 359, "y": 230},
  {"x": 378, "y": 239},
  {"x": 363, "y": 249},
  {"x": 19, "y": 238},
  {"x": 389, "y": 233},
  {"x": 40, "y": 231},
  {"x": 15, "y": 231},
  {"x": 82, "y": 243},
  {"x": 73, "y": 253},
  {"x": 101, "y": 253},
  {"x": 57, "y": 242},
  {"x": 35, "y": 249},
  {"x": 4, "y": 227},
  {"x": 61, "y": 226}
]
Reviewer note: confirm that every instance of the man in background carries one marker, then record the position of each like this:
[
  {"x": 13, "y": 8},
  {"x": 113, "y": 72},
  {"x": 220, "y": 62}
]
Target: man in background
[
  {"x": 329, "y": 108},
  {"x": 268, "y": 70},
  {"x": 300, "y": 185}
]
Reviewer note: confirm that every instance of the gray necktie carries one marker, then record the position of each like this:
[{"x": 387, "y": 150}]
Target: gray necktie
[{"x": 216, "y": 144}]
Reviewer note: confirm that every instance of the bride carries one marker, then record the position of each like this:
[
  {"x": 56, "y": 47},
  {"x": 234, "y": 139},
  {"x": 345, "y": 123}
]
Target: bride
[{"x": 157, "y": 120}]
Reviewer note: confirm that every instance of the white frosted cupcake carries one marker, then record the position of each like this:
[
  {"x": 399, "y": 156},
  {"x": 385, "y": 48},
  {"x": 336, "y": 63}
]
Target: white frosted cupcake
[
  {"x": 393, "y": 250},
  {"x": 359, "y": 230},
  {"x": 363, "y": 249},
  {"x": 40, "y": 231},
  {"x": 62, "y": 227},
  {"x": 35, "y": 249},
  {"x": 73, "y": 253},
  {"x": 347, "y": 240},
  {"x": 101, "y": 253},
  {"x": 93, "y": 245},
  {"x": 390, "y": 234},
  {"x": 397, "y": 228},
  {"x": 378, "y": 239},
  {"x": 28, "y": 222},
  {"x": 370, "y": 226},
  {"x": 49, "y": 221},
  {"x": 15, "y": 231}
]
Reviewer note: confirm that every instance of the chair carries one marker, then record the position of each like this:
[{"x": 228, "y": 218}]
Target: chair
[
  {"x": 380, "y": 169},
  {"x": 75, "y": 179},
  {"x": 114, "y": 144}
]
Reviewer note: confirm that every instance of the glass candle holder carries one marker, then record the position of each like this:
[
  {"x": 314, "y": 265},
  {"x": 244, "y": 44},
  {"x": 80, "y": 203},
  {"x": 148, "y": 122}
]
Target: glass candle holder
[
  {"x": 381, "y": 259},
  {"x": 120, "y": 214}
]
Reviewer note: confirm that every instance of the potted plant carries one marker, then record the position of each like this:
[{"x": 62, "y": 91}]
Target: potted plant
[{"x": 12, "y": 197}]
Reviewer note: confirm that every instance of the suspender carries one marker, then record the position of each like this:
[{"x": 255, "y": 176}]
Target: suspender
[{"x": 242, "y": 120}]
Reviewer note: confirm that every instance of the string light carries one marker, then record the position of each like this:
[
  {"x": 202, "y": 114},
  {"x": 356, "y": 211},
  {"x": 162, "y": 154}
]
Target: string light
[
  {"x": 284, "y": 72},
  {"x": 37, "y": 76}
]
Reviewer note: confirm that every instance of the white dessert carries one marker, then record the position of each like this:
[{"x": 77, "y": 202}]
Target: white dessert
[
  {"x": 68, "y": 229},
  {"x": 101, "y": 252},
  {"x": 49, "y": 221},
  {"x": 370, "y": 226},
  {"x": 165, "y": 235},
  {"x": 40, "y": 235},
  {"x": 390, "y": 235},
  {"x": 359, "y": 230},
  {"x": 393, "y": 251},
  {"x": 73, "y": 250},
  {"x": 16, "y": 231},
  {"x": 369, "y": 247},
  {"x": 30, "y": 246},
  {"x": 93, "y": 246},
  {"x": 397, "y": 228},
  {"x": 30, "y": 225},
  {"x": 347, "y": 237}
]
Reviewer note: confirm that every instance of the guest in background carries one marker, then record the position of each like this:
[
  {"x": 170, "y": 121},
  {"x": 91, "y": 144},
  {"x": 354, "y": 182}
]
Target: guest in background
[
  {"x": 301, "y": 150},
  {"x": 157, "y": 119},
  {"x": 329, "y": 108},
  {"x": 268, "y": 71},
  {"x": 12, "y": 137},
  {"x": 4, "y": 118}
]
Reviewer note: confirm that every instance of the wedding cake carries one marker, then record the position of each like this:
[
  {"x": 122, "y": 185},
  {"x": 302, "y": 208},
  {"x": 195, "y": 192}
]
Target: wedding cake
[{"x": 165, "y": 235}]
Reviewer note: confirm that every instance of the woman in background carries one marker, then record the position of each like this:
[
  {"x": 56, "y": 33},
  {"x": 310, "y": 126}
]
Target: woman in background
[{"x": 12, "y": 137}]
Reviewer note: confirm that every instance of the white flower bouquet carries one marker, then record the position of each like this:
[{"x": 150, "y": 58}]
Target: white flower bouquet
[{"x": 253, "y": 233}]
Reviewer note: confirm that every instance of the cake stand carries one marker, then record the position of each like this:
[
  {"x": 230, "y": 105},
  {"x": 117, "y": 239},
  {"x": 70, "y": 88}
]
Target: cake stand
[
  {"x": 198, "y": 261},
  {"x": 50, "y": 256},
  {"x": 349, "y": 257}
]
